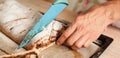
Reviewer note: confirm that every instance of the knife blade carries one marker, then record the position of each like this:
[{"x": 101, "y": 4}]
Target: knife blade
[{"x": 57, "y": 7}]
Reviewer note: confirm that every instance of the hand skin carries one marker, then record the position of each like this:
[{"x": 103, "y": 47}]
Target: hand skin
[{"x": 88, "y": 27}]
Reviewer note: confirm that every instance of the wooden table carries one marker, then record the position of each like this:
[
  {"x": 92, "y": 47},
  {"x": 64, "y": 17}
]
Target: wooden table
[
  {"x": 43, "y": 6},
  {"x": 113, "y": 51}
]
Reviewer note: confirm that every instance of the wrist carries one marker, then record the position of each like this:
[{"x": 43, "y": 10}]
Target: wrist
[
  {"x": 112, "y": 10},
  {"x": 100, "y": 14},
  {"x": 108, "y": 11}
]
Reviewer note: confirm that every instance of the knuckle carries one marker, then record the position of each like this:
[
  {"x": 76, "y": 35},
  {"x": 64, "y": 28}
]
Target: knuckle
[
  {"x": 79, "y": 17},
  {"x": 65, "y": 35},
  {"x": 77, "y": 20}
]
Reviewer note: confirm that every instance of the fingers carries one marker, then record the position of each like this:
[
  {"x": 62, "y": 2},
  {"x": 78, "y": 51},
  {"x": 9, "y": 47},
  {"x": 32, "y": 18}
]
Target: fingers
[
  {"x": 66, "y": 34},
  {"x": 80, "y": 42},
  {"x": 74, "y": 48},
  {"x": 92, "y": 38},
  {"x": 75, "y": 36},
  {"x": 85, "y": 41}
]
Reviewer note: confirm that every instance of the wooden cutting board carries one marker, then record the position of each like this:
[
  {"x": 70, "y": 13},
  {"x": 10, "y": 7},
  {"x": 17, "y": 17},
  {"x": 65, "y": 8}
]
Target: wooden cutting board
[
  {"x": 42, "y": 6},
  {"x": 8, "y": 46},
  {"x": 111, "y": 52},
  {"x": 59, "y": 51}
]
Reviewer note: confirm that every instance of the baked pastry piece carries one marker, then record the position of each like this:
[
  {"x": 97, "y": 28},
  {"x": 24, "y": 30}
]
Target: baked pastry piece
[
  {"x": 43, "y": 45},
  {"x": 16, "y": 20}
]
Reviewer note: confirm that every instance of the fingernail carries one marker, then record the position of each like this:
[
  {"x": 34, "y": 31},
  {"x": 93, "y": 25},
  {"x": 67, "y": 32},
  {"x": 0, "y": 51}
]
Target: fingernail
[
  {"x": 74, "y": 48},
  {"x": 58, "y": 43}
]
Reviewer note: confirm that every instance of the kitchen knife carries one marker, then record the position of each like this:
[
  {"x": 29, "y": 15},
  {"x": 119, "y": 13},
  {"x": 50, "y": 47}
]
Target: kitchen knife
[{"x": 57, "y": 7}]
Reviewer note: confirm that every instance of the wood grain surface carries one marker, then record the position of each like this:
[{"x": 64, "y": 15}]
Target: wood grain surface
[
  {"x": 2, "y": 53},
  {"x": 43, "y": 6},
  {"x": 113, "y": 51},
  {"x": 7, "y": 45}
]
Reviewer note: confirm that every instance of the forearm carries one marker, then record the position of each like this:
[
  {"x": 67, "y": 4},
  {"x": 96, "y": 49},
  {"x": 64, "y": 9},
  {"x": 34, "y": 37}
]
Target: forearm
[
  {"x": 108, "y": 12},
  {"x": 112, "y": 9}
]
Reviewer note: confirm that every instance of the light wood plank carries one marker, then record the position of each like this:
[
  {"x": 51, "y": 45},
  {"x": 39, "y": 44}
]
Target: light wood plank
[
  {"x": 2, "y": 53},
  {"x": 8, "y": 45},
  {"x": 43, "y": 6},
  {"x": 2, "y": 1}
]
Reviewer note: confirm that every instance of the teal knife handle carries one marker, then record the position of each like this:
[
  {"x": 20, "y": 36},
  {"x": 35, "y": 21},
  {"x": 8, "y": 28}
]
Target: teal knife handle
[{"x": 57, "y": 7}]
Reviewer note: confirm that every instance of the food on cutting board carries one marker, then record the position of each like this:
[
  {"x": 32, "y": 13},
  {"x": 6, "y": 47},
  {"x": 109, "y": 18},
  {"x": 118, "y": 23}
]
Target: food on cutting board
[{"x": 16, "y": 20}]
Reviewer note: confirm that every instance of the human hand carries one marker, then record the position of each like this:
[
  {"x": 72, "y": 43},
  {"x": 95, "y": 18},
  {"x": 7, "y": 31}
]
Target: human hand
[{"x": 86, "y": 29}]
